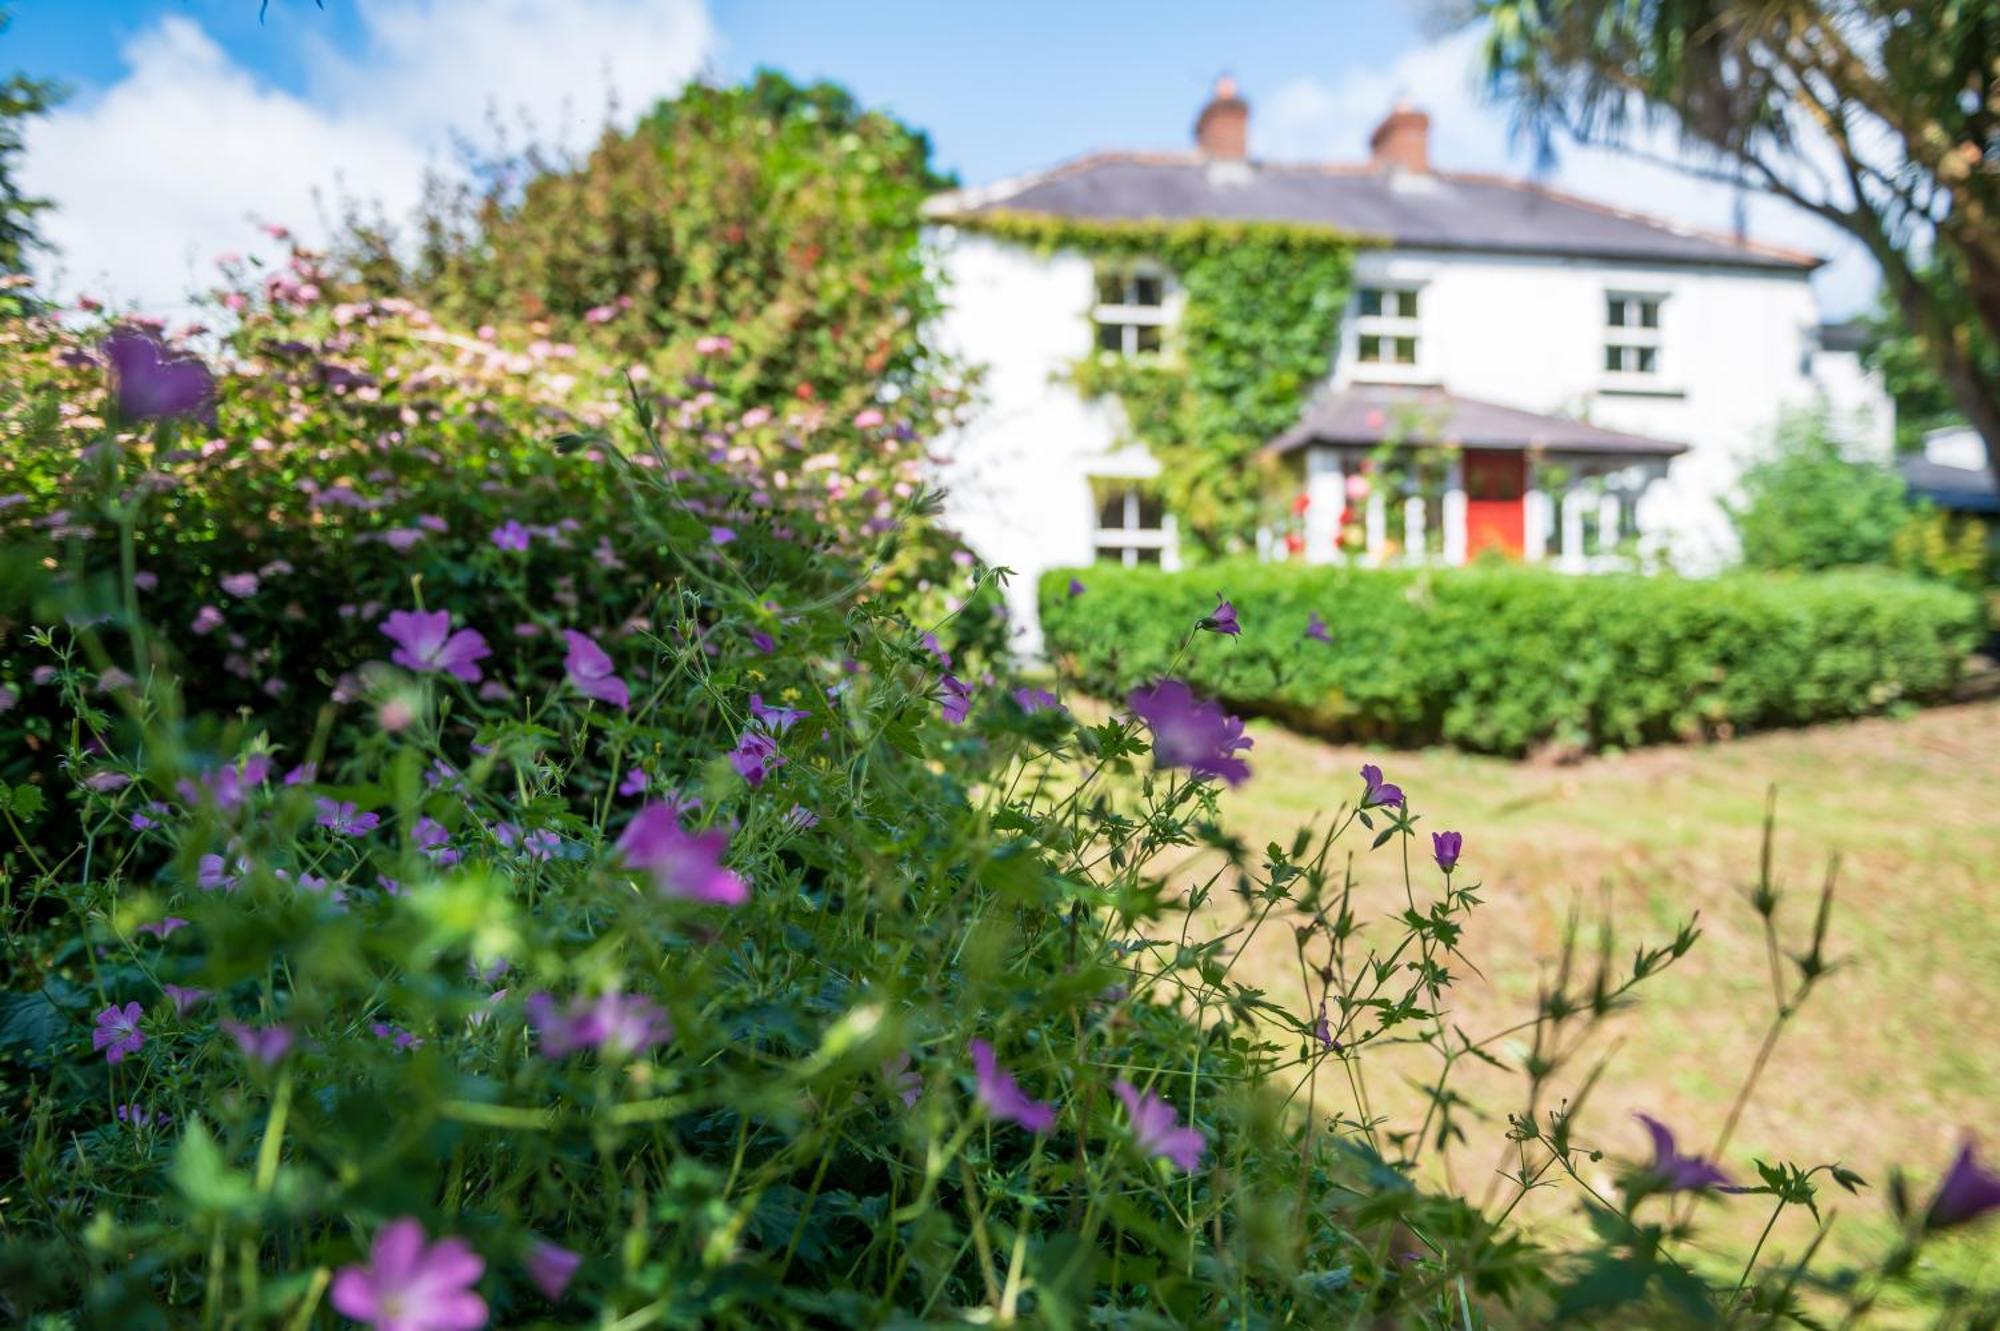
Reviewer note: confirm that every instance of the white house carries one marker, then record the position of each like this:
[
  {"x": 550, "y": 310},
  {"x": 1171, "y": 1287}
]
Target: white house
[{"x": 1585, "y": 379}]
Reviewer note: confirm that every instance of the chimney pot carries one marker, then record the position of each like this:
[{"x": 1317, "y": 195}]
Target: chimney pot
[
  {"x": 1222, "y": 130},
  {"x": 1402, "y": 141}
]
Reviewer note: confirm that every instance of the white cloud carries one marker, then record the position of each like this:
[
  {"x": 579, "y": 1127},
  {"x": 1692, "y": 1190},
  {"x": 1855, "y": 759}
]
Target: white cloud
[
  {"x": 1321, "y": 119},
  {"x": 183, "y": 155}
]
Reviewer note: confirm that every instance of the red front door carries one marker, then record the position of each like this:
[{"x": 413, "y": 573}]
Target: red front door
[{"x": 1494, "y": 515}]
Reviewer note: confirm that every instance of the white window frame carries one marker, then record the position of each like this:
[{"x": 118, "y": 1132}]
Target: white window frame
[
  {"x": 1629, "y": 341},
  {"x": 1390, "y": 326},
  {"x": 1129, "y": 538},
  {"x": 1127, "y": 315}
]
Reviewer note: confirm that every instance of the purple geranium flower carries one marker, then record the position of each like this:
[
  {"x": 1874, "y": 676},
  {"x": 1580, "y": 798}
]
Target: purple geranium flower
[
  {"x": 776, "y": 720},
  {"x": 206, "y": 621},
  {"x": 185, "y": 999},
  {"x": 1002, "y": 1095},
  {"x": 395, "y": 1035},
  {"x": 551, "y": 1267},
  {"x": 930, "y": 644},
  {"x": 432, "y": 838},
  {"x": 162, "y": 928},
  {"x": 342, "y": 818},
  {"x": 590, "y": 669},
  {"x": 1157, "y": 1128},
  {"x": 721, "y": 535},
  {"x": 1670, "y": 1171},
  {"x": 1190, "y": 732},
  {"x": 1969, "y": 1190},
  {"x": 1445, "y": 847},
  {"x": 118, "y": 1032},
  {"x": 510, "y": 535},
  {"x": 1075, "y": 588},
  {"x": 633, "y": 782},
  {"x": 240, "y": 584},
  {"x": 1316, "y": 627},
  {"x": 617, "y": 1025},
  {"x": 151, "y": 381},
  {"x": 1378, "y": 791},
  {"x": 755, "y": 756},
  {"x": 685, "y": 865},
  {"x": 424, "y": 642},
  {"x": 903, "y": 1079},
  {"x": 266, "y": 1044},
  {"x": 212, "y": 873},
  {"x": 1221, "y": 620},
  {"x": 411, "y": 1285},
  {"x": 1032, "y": 700},
  {"x": 957, "y": 700}
]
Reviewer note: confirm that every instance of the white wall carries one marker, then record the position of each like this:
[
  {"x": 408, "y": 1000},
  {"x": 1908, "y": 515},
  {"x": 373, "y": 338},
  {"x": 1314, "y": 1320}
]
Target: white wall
[
  {"x": 1859, "y": 409},
  {"x": 1017, "y": 478},
  {"x": 1529, "y": 332}
]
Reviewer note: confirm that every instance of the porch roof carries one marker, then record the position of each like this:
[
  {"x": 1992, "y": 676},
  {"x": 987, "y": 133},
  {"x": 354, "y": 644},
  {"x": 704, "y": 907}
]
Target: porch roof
[{"x": 1366, "y": 415}]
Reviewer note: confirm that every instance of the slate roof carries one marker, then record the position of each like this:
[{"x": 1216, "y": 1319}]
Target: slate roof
[
  {"x": 1369, "y": 414},
  {"x": 1423, "y": 210},
  {"x": 1959, "y": 489}
]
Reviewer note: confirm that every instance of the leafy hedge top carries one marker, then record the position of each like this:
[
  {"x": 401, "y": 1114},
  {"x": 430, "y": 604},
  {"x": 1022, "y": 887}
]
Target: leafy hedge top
[{"x": 1502, "y": 660}]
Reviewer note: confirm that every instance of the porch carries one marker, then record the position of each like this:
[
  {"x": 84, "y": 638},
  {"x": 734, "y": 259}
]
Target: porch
[{"x": 1390, "y": 474}]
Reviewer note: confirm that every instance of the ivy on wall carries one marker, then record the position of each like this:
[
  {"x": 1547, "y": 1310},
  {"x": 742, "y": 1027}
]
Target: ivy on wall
[{"x": 1256, "y": 335}]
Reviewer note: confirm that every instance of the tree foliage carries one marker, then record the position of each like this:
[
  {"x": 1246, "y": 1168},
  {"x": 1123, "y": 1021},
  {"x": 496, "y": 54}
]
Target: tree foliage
[
  {"x": 1880, "y": 116},
  {"x": 1807, "y": 504},
  {"x": 21, "y": 99}
]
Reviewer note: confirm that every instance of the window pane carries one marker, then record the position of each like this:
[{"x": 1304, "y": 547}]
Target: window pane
[
  {"x": 1111, "y": 337},
  {"x": 1149, "y": 338},
  {"x": 1111, "y": 554},
  {"x": 1649, "y": 313},
  {"x": 1110, "y": 287},
  {"x": 1152, "y": 514},
  {"x": 1149, "y": 556},
  {"x": 1111, "y": 512},
  {"x": 1371, "y": 349},
  {"x": 1406, "y": 351},
  {"x": 1406, "y": 304},
  {"x": 1147, "y": 289},
  {"x": 1371, "y": 302},
  {"x": 1649, "y": 359},
  {"x": 1614, "y": 359},
  {"x": 1614, "y": 311}
]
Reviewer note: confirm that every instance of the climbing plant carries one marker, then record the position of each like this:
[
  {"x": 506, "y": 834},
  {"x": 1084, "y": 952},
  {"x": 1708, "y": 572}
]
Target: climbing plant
[{"x": 1258, "y": 331}]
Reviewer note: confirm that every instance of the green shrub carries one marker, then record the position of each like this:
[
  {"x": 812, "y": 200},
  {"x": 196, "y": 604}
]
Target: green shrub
[
  {"x": 1809, "y": 504},
  {"x": 1502, "y": 660}
]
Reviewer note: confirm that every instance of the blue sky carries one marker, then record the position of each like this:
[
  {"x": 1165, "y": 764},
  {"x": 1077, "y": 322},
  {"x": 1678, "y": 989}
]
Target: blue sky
[{"x": 191, "y": 120}]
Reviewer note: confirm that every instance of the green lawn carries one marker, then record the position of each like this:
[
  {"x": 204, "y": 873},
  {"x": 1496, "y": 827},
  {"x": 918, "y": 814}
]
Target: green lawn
[{"x": 1888, "y": 1062}]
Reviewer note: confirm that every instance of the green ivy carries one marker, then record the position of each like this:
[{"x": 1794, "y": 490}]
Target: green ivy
[{"x": 1261, "y": 323}]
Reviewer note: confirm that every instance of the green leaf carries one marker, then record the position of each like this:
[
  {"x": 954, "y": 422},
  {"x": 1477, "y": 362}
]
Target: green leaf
[{"x": 204, "y": 1177}]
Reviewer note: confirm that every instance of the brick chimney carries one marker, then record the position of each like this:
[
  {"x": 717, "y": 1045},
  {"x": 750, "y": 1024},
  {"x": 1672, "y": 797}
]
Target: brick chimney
[
  {"x": 1402, "y": 141},
  {"x": 1222, "y": 129}
]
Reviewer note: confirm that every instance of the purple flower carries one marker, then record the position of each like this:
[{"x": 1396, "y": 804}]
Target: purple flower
[
  {"x": 342, "y": 818},
  {"x": 206, "y": 621},
  {"x": 1157, "y": 1128},
  {"x": 616, "y": 1025},
  {"x": 1969, "y": 1190},
  {"x": 303, "y": 774},
  {"x": 776, "y": 720},
  {"x": 395, "y": 1035},
  {"x": 1378, "y": 791},
  {"x": 1190, "y": 732},
  {"x": 150, "y": 381},
  {"x": 424, "y": 642},
  {"x": 1002, "y": 1095},
  {"x": 540, "y": 844},
  {"x": 510, "y": 535},
  {"x": 429, "y": 835},
  {"x": 1316, "y": 627},
  {"x": 137, "y": 1116},
  {"x": 903, "y": 1079},
  {"x": 929, "y": 643},
  {"x": 212, "y": 873},
  {"x": 1445, "y": 847},
  {"x": 590, "y": 669},
  {"x": 551, "y": 1267},
  {"x": 1075, "y": 588},
  {"x": 1221, "y": 620},
  {"x": 763, "y": 641},
  {"x": 755, "y": 756},
  {"x": 633, "y": 782},
  {"x": 185, "y": 999},
  {"x": 266, "y": 1044},
  {"x": 957, "y": 700},
  {"x": 721, "y": 535},
  {"x": 118, "y": 1032},
  {"x": 799, "y": 818},
  {"x": 1670, "y": 1171},
  {"x": 240, "y": 584},
  {"x": 684, "y": 865},
  {"x": 409, "y": 1285},
  {"x": 161, "y": 928},
  {"x": 1323, "y": 1032},
  {"x": 1032, "y": 700}
]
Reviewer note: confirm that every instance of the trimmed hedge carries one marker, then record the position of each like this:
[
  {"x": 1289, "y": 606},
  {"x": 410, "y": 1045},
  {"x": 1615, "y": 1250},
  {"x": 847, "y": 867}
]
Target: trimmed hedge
[{"x": 1507, "y": 659}]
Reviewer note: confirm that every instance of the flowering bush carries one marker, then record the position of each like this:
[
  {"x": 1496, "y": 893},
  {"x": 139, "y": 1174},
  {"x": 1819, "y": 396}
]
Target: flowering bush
[
  {"x": 693, "y": 937},
  {"x": 1504, "y": 660}
]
